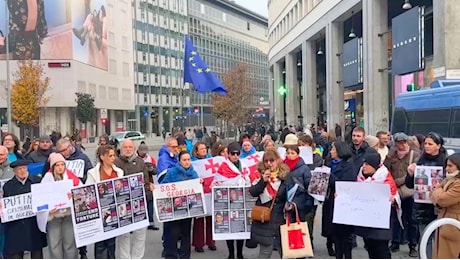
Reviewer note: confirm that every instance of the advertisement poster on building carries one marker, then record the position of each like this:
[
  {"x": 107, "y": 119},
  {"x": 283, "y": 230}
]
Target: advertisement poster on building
[
  {"x": 179, "y": 200},
  {"x": 108, "y": 209},
  {"x": 36, "y": 28},
  {"x": 89, "y": 32},
  {"x": 231, "y": 212},
  {"x": 319, "y": 181},
  {"x": 425, "y": 178}
]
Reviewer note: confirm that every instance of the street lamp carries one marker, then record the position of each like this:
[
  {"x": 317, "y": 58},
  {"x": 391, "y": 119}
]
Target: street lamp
[
  {"x": 320, "y": 51},
  {"x": 406, "y": 5},
  {"x": 352, "y": 31}
]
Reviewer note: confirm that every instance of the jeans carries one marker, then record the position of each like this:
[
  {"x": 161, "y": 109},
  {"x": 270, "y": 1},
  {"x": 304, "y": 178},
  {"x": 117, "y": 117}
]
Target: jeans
[
  {"x": 409, "y": 222},
  {"x": 38, "y": 254},
  {"x": 150, "y": 212},
  {"x": 178, "y": 229},
  {"x": 343, "y": 243},
  {"x": 429, "y": 245},
  {"x": 105, "y": 249},
  {"x": 377, "y": 249},
  {"x": 310, "y": 218}
]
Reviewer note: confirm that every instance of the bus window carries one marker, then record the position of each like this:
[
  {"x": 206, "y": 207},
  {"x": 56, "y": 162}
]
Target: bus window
[{"x": 399, "y": 121}]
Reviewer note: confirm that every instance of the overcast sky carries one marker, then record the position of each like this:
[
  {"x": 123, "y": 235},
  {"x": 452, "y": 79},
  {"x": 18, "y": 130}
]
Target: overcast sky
[{"x": 257, "y": 6}]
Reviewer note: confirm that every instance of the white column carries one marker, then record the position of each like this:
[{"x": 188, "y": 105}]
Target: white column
[
  {"x": 149, "y": 121},
  {"x": 292, "y": 103},
  {"x": 310, "y": 101},
  {"x": 334, "y": 88},
  {"x": 171, "y": 120},
  {"x": 277, "y": 82},
  {"x": 375, "y": 83}
]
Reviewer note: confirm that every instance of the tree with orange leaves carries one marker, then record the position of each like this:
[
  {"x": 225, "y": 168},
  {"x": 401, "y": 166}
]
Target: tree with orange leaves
[
  {"x": 28, "y": 93},
  {"x": 235, "y": 106}
]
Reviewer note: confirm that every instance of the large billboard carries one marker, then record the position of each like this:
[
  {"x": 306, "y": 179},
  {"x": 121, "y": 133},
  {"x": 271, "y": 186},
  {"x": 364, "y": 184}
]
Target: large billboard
[
  {"x": 407, "y": 39},
  {"x": 89, "y": 32},
  {"x": 55, "y": 30}
]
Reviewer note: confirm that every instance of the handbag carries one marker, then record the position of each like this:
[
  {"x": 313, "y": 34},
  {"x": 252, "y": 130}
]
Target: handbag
[
  {"x": 403, "y": 191},
  {"x": 262, "y": 213},
  {"x": 295, "y": 238}
]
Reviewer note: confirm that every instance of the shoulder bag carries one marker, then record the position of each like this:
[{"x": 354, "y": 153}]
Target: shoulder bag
[{"x": 262, "y": 213}]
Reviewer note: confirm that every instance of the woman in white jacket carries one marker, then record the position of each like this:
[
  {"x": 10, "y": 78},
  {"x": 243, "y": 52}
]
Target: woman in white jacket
[
  {"x": 61, "y": 239},
  {"x": 105, "y": 169}
]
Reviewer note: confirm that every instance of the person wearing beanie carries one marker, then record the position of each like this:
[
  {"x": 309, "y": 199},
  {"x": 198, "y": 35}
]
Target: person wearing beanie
[
  {"x": 247, "y": 148},
  {"x": 61, "y": 242},
  {"x": 377, "y": 239},
  {"x": 372, "y": 141},
  {"x": 45, "y": 148}
]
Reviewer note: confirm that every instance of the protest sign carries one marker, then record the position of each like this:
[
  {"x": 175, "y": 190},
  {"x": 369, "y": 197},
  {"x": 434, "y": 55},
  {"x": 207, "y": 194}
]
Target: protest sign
[
  {"x": 179, "y": 200},
  {"x": 362, "y": 204},
  {"x": 231, "y": 212},
  {"x": 51, "y": 195},
  {"x": 16, "y": 207},
  {"x": 108, "y": 209},
  {"x": 319, "y": 181},
  {"x": 425, "y": 178},
  {"x": 306, "y": 153},
  {"x": 76, "y": 166}
]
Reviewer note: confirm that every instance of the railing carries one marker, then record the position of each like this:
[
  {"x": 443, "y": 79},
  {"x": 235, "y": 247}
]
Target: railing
[{"x": 431, "y": 228}]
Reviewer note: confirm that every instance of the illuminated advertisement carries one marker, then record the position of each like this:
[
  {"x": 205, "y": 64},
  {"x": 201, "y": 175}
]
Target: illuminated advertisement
[{"x": 54, "y": 30}]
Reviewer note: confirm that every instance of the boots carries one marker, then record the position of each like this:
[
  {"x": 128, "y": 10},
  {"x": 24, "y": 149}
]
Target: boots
[
  {"x": 330, "y": 247},
  {"x": 231, "y": 249}
]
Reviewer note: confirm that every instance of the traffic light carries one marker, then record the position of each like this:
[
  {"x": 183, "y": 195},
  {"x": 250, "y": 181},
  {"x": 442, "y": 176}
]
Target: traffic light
[
  {"x": 104, "y": 121},
  {"x": 282, "y": 91},
  {"x": 411, "y": 87}
]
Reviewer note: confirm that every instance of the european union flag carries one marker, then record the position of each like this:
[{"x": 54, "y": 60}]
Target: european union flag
[{"x": 198, "y": 73}]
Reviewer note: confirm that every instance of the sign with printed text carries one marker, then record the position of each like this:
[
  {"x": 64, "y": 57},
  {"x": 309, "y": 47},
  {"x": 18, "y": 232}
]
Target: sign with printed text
[
  {"x": 179, "y": 200},
  {"x": 425, "y": 178},
  {"x": 76, "y": 166},
  {"x": 108, "y": 209},
  {"x": 231, "y": 212},
  {"x": 51, "y": 195},
  {"x": 16, "y": 207},
  {"x": 362, "y": 204}
]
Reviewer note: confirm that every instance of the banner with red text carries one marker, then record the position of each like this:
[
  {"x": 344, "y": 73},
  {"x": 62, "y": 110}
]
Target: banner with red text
[{"x": 179, "y": 200}]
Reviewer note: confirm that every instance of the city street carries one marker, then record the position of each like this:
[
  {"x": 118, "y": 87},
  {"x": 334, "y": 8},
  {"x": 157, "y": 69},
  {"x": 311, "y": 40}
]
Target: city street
[{"x": 154, "y": 243}]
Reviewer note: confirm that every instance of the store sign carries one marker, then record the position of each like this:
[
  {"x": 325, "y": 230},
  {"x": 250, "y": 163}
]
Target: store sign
[{"x": 352, "y": 63}]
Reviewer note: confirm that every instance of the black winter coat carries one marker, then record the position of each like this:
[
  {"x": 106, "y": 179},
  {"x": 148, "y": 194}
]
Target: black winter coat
[
  {"x": 343, "y": 172},
  {"x": 358, "y": 155},
  {"x": 23, "y": 234},
  {"x": 377, "y": 233},
  {"x": 39, "y": 155},
  {"x": 424, "y": 213},
  {"x": 301, "y": 175},
  {"x": 263, "y": 233}
]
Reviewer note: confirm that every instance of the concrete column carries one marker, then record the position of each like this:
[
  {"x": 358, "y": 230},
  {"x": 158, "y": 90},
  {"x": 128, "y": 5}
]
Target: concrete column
[
  {"x": 160, "y": 118},
  {"x": 112, "y": 120},
  {"x": 310, "y": 101},
  {"x": 170, "y": 115},
  {"x": 277, "y": 100},
  {"x": 292, "y": 107},
  {"x": 149, "y": 121},
  {"x": 334, "y": 88},
  {"x": 271, "y": 96},
  {"x": 125, "y": 120},
  {"x": 375, "y": 83},
  {"x": 446, "y": 35}
]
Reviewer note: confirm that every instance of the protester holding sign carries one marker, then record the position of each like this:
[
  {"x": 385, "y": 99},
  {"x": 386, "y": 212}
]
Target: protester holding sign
[
  {"x": 271, "y": 192},
  {"x": 22, "y": 235},
  {"x": 434, "y": 154},
  {"x": 446, "y": 197},
  {"x": 6, "y": 173},
  {"x": 179, "y": 229},
  {"x": 337, "y": 234},
  {"x": 105, "y": 169},
  {"x": 61, "y": 238}
]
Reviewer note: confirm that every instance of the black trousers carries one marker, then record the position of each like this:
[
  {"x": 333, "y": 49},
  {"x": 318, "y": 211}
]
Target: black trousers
[
  {"x": 38, "y": 254},
  {"x": 377, "y": 249},
  {"x": 105, "y": 249},
  {"x": 343, "y": 244},
  {"x": 178, "y": 230},
  {"x": 231, "y": 248}
]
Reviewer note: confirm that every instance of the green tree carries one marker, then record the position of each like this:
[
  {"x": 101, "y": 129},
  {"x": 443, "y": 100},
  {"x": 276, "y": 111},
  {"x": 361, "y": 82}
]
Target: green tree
[{"x": 86, "y": 111}]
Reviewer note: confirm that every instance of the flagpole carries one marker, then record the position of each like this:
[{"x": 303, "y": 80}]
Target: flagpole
[
  {"x": 201, "y": 110},
  {"x": 8, "y": 82}
]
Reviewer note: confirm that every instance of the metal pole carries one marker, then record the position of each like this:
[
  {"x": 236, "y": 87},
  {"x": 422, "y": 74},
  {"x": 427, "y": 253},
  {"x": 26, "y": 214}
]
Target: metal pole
[
  {"x": 201, "y": 111},
  {"x": 8, "y": 83}
]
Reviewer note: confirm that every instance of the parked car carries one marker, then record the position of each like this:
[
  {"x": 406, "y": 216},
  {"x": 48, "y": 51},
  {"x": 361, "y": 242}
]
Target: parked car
[{"x": 136, "y": 136}]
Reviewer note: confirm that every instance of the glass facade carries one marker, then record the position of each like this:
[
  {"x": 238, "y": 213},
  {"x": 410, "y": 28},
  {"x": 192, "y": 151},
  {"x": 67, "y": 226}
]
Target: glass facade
[{"x": 226, "y": 35}]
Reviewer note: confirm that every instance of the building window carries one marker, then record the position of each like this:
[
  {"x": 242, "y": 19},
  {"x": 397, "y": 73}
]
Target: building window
[
  {"x": 144, "y": 56},
  {"x": 166, "y": 61},
  {"x": 175, "y": 43},
  {"x": 156, "y": 99},
  {"x": 167, "y": 99},
  {"x": 156, "y": 79},
  {"x": 144, "y": 76},
  {"x": 177, "y": 100},
  {"x": 166, "y": 41},
  {"x": 155, "y": 58},
  {"x": 167, "y": 81},
  {"x": 248, "y": 25}
]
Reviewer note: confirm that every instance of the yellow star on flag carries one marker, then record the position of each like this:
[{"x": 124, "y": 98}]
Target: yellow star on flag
[
  {"x": 193, "y": 52},
  {"x": 193, "y": 64},
  {"x": 190, "y": 59},
  {"x": 199, "y": 70},
  {"x": 208, "y": 70}
]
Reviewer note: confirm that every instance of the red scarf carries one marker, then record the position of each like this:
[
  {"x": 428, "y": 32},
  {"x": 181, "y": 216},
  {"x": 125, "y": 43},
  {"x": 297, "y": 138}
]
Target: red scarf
[{"x": 291, "y": 163}]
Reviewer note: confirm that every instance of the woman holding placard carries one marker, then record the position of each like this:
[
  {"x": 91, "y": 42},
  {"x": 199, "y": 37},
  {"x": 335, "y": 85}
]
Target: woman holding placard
[
  {"x": 61, "y": 238},
  {"x": 105, "y": 169},
  {"x": 434, "y": 154},
  {"x": 341, "y": 170},
  {"x": 446, "y": 196}
]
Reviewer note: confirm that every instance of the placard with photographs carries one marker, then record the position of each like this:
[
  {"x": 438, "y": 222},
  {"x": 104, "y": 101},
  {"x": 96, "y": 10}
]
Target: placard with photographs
[
  {"x": 317, "y": 188},
  {"x": 179, "y": 200},
  {"x": 108, "y": 209},
  {"x": 231, "y": 212},
  {"x": 425, "y": 178}
]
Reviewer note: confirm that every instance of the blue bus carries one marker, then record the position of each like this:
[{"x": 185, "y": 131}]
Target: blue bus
[{"x": 423, "y": 111}]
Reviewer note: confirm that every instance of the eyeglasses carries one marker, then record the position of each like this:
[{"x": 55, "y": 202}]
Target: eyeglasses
[
  {"x": 235, "y": 153},
  {"x": 269, "y": 160}
]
